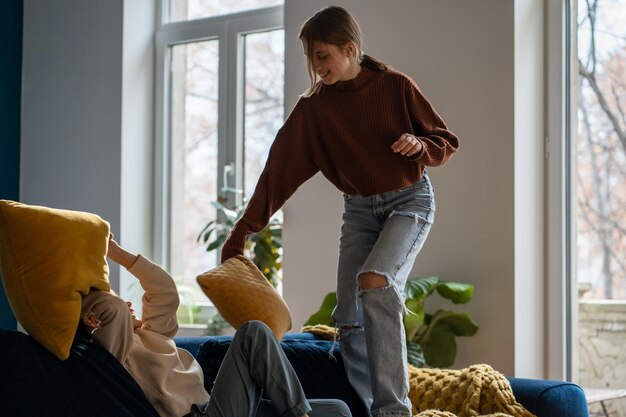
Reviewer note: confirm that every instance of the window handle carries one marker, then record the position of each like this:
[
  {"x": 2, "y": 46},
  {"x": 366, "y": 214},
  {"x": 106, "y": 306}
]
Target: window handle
[{"x": 229, "y": 170}]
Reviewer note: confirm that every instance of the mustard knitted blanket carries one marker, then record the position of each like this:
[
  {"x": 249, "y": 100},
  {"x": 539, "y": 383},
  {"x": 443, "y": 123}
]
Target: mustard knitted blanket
[{"x": 477, "y": 391}]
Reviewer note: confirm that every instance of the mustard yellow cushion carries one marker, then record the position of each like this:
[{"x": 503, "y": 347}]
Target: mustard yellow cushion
[
  {"x": 48, "y": 258},
  {"x": 241, "y": 293}
]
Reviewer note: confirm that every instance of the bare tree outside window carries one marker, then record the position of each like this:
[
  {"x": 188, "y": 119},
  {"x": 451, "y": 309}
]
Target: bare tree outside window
[
  {"x": 194, "y": 118},
  {"x": 601, "y": 152},
  {"x": 263, "y": 104},
  {"x": 198, "y": 9},
  {"x": 599, "y": 158}
]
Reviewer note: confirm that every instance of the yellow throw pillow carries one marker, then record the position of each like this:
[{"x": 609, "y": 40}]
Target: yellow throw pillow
[
  {"x": 241, "y": 293},
  {"x": 48, "y": 258}
]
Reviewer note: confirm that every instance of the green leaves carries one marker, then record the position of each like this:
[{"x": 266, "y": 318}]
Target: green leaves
[
  {"x": 439, "y": 347},
  {"x": 456, "y": 292},
  {"x": 431, "y": 339},
  {"x": 420, "y": 287},
  {"x": 415, "y": 354},
  {"x": 439, "y": 338},
  {"x": 324, "y": 314},
  {"x": 436, "y": 335},
  {"x": 231, "y": 215},
  {"x": 414, "y": 319},
  {"x": 264, "y": 247}
]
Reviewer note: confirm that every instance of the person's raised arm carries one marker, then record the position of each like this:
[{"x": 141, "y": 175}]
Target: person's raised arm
[
  {"x": 160, "y": 299},
  {"x": 120, "y": 255}
]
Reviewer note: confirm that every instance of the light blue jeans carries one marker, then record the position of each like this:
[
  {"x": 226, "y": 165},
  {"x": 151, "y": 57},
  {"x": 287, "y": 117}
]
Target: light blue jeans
[
  {"x": 256, "y": 365},
  {"x": 381, "y": 234}
]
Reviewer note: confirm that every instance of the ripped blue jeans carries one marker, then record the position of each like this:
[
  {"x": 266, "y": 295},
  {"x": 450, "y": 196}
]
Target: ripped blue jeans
[{"x": 381, "y": 234}]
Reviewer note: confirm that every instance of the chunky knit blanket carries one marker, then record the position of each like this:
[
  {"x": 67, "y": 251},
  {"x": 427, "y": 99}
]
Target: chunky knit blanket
[{"x": 477, "y": 391}]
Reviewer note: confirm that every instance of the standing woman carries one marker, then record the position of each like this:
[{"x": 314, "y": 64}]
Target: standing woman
[{"x": 371, "y": 132}]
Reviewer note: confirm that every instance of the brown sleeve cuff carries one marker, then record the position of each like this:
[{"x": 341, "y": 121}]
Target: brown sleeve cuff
[{"x": 234, "y": 245}]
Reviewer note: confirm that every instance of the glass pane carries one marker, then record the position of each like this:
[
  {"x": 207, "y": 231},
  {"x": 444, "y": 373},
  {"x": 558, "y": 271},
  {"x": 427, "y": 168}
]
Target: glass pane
[
  {"x": 263, "y": 103},
  {"x": 198, "y": 9},
  {"x": 263, "y": 116},
  {"x": 194, "y": 90},
  {"x": 600, "y": 170}
]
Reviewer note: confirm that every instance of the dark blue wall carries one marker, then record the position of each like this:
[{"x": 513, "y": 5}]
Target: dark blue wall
[{"x": 11, "y": 23}]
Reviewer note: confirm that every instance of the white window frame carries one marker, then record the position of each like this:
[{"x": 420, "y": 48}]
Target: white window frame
[
  {"x": 561, "y": 121},
  {"x": 228, "y": 29}
]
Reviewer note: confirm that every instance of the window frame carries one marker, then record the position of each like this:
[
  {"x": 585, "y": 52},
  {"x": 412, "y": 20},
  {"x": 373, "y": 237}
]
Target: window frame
[
  {"x": 561, "y": 314},
  {"x": 229, "y": 31}
]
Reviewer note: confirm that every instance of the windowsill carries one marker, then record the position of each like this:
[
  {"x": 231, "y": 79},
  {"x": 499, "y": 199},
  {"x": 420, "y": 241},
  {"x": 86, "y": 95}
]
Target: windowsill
[
  {"x": 191, "y": 330},
  {"x": 194, "y": 330}
]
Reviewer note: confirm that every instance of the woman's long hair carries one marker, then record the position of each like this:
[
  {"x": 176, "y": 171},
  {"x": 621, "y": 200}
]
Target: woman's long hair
[{"x": 334, "y": 25}]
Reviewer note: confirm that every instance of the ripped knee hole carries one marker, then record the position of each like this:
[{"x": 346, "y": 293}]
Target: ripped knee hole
[{"x": 371, "y": 281}]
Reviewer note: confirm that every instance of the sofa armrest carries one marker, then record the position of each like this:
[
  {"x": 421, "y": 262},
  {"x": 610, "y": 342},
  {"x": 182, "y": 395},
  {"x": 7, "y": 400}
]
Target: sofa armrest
[{"x": 548, "y": 398}]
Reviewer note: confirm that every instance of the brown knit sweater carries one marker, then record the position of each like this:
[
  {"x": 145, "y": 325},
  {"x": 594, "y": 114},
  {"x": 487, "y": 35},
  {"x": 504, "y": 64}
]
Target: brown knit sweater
[{"x": 346, "y": 131}]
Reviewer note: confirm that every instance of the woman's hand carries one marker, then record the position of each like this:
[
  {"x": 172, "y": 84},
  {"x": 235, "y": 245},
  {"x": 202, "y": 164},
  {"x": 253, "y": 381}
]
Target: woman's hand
[
  {"x": 407, "y": 145},
  {"x": 120, "y": 255}
]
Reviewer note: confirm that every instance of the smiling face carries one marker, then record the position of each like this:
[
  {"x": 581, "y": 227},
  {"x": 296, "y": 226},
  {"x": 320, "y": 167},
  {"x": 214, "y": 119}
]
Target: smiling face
[{"x": 333, "y": 63}]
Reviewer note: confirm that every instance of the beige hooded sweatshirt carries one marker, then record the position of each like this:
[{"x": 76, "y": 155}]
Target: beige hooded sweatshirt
[{"x": 170, "y": 377}]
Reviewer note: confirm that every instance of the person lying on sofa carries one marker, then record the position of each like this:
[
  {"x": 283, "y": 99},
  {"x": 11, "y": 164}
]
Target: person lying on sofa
[{"x": 171, "y": 378}]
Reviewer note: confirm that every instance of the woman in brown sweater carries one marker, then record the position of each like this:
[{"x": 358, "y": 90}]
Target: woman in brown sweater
[{"x": 371, "y": 133}]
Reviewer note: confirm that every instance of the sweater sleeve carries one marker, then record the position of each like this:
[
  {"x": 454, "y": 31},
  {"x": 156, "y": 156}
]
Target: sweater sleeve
[
  {"x": 115, "y": 332},
  {"x": 160, "y": 299},
  {"x": 438, "y": 143},
  {"x": 289, "y": 164}
]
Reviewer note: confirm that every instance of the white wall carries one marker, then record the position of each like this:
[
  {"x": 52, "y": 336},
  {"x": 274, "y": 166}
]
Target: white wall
[
  {"x": 86, "y": 141},
  {"x": 530, "y": 174},
  {"x": 71, "y": 96},
  {"x": 137, "y": 151},
  {"x": 76, "y": 120},
  {"x": 463, "y": 56}
]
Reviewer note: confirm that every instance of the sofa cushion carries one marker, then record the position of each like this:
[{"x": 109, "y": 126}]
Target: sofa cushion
[
  {"x": 241, "y": 293},
  {"x": 91, "y": 382},
  {"x": 48, "y": 258}
]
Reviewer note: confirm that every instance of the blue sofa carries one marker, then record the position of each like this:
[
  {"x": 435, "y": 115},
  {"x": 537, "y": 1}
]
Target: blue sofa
[
  {"x": 91, "y": 382},
  {"x": 323, "y": 377}
]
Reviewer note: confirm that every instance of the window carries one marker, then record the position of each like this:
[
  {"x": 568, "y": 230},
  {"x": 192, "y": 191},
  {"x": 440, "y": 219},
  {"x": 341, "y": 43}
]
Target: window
[
  {"x": 219, "y": 105},
  {"x": 598, "y": 154},
  {"x": 180, "y": 10},
  {"x": 601, "y": 150},
  {"x": 586, "y": 184}
]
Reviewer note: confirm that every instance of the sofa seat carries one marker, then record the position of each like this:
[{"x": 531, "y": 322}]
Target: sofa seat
[
  {"x": 322, "y": 376},
  {"x": 91, "y": 382}
]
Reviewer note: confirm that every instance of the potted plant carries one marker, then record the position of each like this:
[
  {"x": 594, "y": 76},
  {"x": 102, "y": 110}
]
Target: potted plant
[
  {"x": 263, "y": 248},
  {"x": 431, "y": 338}
]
